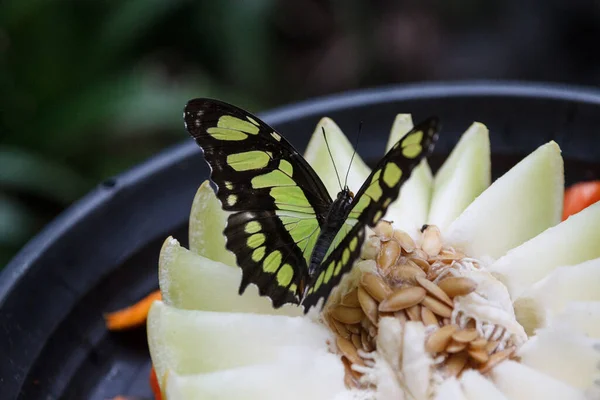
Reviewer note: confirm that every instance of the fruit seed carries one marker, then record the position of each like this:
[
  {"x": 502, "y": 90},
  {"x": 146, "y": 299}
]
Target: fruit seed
[
  {"x": 457, "y": 286},
  {"x": 403, "y": 298}
]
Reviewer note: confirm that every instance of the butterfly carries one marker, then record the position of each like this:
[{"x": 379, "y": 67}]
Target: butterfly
[{"x": 288, "y": 236}]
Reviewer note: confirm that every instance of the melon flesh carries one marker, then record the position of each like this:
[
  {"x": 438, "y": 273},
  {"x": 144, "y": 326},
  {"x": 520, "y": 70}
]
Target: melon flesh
[
  {"x": 581, "y": 317},
  {"x": 519, "y": 382},
  {"x": 571, "y": 242},
  {"x": 476, "y": 387},
  {"x": 564, "y": 355},
  {"x": 206, "y": 341},
  {"x": 312, "y": 376},
  {"x": 412, "y": 206},
  {"x": 190, "y": 281},
  {"x": 192, "y": 342},
  {"x": 516, "y": 207},
  {"x": 548, "y": 297},
  {"x": 318, "y": 158},
  {"x": 450, "y": 390},
  {"x": 465, "y": 174},
  {"x": 207, "y": 222},
  {"x": 416, "y": 362}
]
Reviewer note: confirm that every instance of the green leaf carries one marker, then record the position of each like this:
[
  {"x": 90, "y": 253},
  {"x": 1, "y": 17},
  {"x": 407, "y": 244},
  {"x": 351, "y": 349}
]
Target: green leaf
[
  {"x": 126, "y": 23},
  {"x": 16, "y": 222},
  {"x": 30, "y": 173}
]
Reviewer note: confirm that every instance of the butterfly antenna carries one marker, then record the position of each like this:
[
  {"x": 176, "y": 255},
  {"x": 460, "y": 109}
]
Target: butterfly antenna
[
  {"x": 332, "y": 160},
  {"x": 352, "y": 158}
]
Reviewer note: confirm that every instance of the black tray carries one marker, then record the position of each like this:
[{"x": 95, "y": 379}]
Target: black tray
[{"x": 101, "y": 254}]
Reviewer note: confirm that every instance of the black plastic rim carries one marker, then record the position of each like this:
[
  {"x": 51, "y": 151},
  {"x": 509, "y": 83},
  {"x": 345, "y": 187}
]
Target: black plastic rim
[{"x": 42, "y": 263}]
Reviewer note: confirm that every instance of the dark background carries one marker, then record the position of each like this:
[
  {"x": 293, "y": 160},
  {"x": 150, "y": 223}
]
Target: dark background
[{"x": 89, "y": 88}]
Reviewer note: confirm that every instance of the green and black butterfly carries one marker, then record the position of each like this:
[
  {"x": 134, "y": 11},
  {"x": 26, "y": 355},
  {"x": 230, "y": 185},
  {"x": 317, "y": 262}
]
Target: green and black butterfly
[{"x": 288, "y": 236}]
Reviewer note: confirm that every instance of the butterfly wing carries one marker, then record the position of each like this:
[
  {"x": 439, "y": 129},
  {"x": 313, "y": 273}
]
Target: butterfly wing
[
  {"x": 277, "y": 201},
  {"x": 381, "y": 188}
]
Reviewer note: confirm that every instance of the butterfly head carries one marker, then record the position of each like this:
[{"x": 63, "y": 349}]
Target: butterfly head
[{"x": 345, "y": 196}]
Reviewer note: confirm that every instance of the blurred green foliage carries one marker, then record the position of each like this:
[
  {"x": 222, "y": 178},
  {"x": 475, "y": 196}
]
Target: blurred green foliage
[{"x": 89, "y": 89}]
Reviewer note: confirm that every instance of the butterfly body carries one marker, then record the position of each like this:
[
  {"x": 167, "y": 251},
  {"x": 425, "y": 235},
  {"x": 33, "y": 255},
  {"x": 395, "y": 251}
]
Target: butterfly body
[
  {"x": 289, "y": 237},
  {"x": 333, "y": 222}
]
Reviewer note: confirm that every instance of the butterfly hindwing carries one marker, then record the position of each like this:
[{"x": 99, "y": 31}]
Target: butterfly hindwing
[
  {"x": 276, "y": 200},
  {"x": 339, "y": 262},
  {"x": 371, "y": 202},
  {"x": 268, "y": 255}
]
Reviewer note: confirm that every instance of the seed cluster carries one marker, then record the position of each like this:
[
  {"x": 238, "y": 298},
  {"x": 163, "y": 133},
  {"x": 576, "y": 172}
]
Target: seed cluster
[{"x": 411, "y": 282}]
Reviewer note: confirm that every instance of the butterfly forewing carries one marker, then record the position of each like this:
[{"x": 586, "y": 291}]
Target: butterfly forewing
[
  {"x": 382, "y": 187},
  {"x": 276, "y": 199},
  {"x": 371, "y": 203},
  {"x": 247, "y": 157}
]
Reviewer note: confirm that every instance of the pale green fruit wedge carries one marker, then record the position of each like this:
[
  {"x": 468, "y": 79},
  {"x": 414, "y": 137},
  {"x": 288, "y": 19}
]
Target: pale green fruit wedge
[
  {"x": 465, "y": 174},
  {"x": 549, "y": 296},
  {"x": 341, "y": 149},
  {"x": 476, "y": 387},
  {"x": 581, "y": 317},
  {"x": 207, "y": 222},
  {"x": 571, "y": 242},
  {"x": 520, "y": 382},
  {"x": 516, "y": 207},
  {"x": 450, "y": 390},
  {"x": 412, "y": 206},
  {"x": 313, "y": 376},
  {"x": 565, "y": 355},
  {"x": 190, "y": 281},
  {"x": 191, "y": 341}
]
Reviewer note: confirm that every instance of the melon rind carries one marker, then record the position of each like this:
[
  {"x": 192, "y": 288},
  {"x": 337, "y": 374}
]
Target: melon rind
[
  {"x": 314, "y": 376},
  {"x": 518, "y": 206},
  {"x": 192, "y": 342},
  {"x": 412, "y": 206},
  {"x": 206, "y": 224},
  {"x": 190, "y": 281},
  {"x": 536, "y": 307},
  {"x": 318, "y": 158},
  {"x": 569, "y": 243},
  {"x": 464, "y": 175},
  {"x": 520, "y": 382}
]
